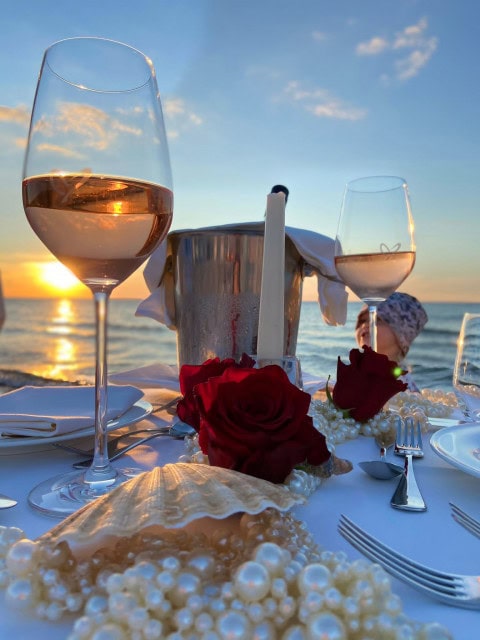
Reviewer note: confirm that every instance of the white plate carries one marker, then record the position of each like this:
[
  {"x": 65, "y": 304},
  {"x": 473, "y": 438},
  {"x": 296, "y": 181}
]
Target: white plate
[
  {"x": 452, "y": 421},
  {"x": 140, "y": 410},
  {"x": 460, "y": 446}
]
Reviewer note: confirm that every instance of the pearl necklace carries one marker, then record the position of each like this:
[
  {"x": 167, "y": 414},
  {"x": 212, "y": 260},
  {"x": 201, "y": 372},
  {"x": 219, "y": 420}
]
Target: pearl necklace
[
  {"x": 337, "y": 429},
  {"x": 267, "y": 580}
]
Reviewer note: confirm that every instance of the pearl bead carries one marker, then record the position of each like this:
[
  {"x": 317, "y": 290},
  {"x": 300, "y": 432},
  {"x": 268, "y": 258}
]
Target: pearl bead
[
  {"x": 54, "y": 612},
  {"x": 8, "y": 537},
  {"x": 202, "y": 563},
  {"x": 313, "y": 602},
  {"x": 333, "y": 598},
  {"x": 73, "y": 602},
  {"x": 279, "y": 588},
  {"x": 110, "y": 631},
  {"x": 171, "y": 564},
  {"x": 296, "y": 632},
  {"x": 203, "y": 622},
  {"x": 314, "y": 577},
  {"x": 153, "y": 630},
  {"x": 195, "y": 603},
  {"x": 83, "y": 627},
  {"x": 115, "y": 582},
  {"x": 137, "y": 618},
  {"x": 287, "y": 607},
  {"x": 186, "y": 585},
  {"x": 165, "y": 580},
  {"x": 233, "y": 626},
  {"x": 255, "y": 612},
  {"x": 264, "y": 631},
  {"x": 325, "y": 625},
  {"x": 21, "y": 557},
  {"x": 272, "y": 557},
  {"x": 20, "y": 594},
  {"x": 252, "y": 581},
  {"x": 121, "y": 604}
]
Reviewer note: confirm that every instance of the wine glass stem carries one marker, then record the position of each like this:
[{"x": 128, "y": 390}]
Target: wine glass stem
[
  {"x": 101, "y": 471},
  {"x": 372, "y": 314}
]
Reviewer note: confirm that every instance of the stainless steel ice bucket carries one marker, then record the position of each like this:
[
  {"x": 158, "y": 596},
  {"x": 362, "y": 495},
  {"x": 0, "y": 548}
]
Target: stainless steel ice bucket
[{"x": 217, "y": 276}]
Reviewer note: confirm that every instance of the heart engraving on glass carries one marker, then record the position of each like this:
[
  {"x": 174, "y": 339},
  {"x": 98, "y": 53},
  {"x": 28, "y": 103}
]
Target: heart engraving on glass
[{"x": 384, "y": 248}]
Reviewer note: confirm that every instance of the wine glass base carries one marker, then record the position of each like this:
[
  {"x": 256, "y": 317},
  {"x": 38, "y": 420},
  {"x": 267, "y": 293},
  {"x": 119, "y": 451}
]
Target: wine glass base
[{"x": 66, "y": 493}]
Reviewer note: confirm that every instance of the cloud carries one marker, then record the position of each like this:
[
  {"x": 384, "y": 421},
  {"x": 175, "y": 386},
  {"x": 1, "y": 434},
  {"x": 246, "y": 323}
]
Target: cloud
[
  {"x": 319, "y": 36},
  {"x": 17, "y": 115},
  {"x": 179, "y": 117},
  {"x": 90, "y": 123},
  {"x": 412, "y": 41},
  {"x": 21, "y": 143},
  {"x": 411, "y": 36},
  {"x": 322, "y": 104},
  {"x": 414, "y": 37},
  {"x": 58, "y": 150},
  {"x": 87, "y": 126},
  {"x": 411, "y": 65},
  {"x": 372, "y": 47}
]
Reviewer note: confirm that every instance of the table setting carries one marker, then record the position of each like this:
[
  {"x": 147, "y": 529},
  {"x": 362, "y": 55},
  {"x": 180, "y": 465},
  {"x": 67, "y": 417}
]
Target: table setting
[{"x": 228, "y": 495}]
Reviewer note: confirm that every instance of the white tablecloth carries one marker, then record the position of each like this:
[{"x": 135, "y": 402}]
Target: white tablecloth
[{"x": 432, "y": 537}]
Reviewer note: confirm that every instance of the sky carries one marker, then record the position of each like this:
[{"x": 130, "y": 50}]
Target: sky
[{"x": 305, "y": 93}]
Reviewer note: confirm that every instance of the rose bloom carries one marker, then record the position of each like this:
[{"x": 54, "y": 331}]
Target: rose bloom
[
  {"x": 364, "y": 386},
  {"x": 255, "y": 421},
  {"x": 191, "y": 375}
]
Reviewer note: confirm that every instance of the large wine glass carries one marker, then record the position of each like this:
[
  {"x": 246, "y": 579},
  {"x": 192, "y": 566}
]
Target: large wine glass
[
  {"x": 374, "y": 246},
  {"x": 97, "y": 192},
  {"x": 466, "y": 373}
]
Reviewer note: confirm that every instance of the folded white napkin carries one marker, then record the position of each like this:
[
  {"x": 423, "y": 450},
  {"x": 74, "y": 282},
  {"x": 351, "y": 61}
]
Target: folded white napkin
[
  {"x": 312, "y": 383},
  {"x": 53, "y": 411},
  {"x": 164, "y": 376},
  {"x": 317, "y": 251},
  {"x": 152, "y": 376}
]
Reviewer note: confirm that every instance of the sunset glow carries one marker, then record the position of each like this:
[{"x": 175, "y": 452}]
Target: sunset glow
[{"x": 57, "y": 277}]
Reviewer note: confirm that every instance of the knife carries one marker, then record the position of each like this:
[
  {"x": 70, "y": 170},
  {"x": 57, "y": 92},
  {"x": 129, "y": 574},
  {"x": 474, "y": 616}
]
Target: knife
[{"x": 6, "y": 502}]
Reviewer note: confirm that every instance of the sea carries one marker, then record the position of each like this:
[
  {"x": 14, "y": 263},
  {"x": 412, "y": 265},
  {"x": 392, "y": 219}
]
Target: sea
[{"x": 50, "y": 339}]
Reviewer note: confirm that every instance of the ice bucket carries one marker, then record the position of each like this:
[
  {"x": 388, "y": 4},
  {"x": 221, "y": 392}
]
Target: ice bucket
[{"x": 217, "y": 276}]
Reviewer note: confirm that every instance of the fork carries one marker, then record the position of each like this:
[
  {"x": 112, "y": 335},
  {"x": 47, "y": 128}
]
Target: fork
[
  {"x": 454, "y": 589},
  {"x": 465, "y": 520},
  {"x": 113, "y": 442},
  {"x": 408, "y": 443}
]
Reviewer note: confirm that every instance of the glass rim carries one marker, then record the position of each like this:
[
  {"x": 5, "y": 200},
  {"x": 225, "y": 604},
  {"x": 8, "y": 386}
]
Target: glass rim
[
  {"x": 373, "y": 184},
  {"x": 141, "y": 56}
]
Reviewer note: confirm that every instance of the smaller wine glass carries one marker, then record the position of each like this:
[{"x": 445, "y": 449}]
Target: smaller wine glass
[
  {"x": 466, "y": 373},
  {"x": 374, "y": 246}
]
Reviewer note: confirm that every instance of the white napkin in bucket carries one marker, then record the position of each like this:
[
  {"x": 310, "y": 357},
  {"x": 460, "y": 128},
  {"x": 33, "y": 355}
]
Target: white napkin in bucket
[
  {"x": 317, "y": 251},
  {"x": 54, "y": 411}
]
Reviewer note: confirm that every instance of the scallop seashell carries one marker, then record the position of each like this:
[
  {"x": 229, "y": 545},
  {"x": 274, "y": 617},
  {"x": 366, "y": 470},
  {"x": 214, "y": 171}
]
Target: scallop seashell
[{"x": 169, "y": 497}]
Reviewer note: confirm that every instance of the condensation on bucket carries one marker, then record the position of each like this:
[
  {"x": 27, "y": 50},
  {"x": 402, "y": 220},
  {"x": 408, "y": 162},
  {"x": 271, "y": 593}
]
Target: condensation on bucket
[{"x": 217, "y": 274}]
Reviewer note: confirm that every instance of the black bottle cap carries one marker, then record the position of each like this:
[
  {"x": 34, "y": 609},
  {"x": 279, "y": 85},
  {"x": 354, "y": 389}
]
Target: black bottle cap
[{"x": 279, "y": 188}]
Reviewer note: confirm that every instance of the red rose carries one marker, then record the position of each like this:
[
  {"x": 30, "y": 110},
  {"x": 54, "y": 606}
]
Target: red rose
[
  {"x": 255, "y": 421},
  {"x": 364, "y": 386},
  {"x": 191, "y": 375}
]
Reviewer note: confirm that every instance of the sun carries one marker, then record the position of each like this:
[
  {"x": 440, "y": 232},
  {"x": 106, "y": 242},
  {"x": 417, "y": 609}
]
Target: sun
[{"x": 57, "y": 277}]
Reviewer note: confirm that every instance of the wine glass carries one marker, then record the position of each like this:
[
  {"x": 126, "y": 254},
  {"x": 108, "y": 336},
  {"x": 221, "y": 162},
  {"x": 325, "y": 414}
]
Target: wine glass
[
  {"x": 466, "y": 373},
  {"x": 374, "y": 246},
  {"x": 97, "y": 192}
]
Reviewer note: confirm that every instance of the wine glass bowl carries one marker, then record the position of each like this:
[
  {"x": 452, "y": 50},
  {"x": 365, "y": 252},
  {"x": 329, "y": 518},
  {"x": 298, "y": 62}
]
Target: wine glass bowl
[
  {"x": 97, "y": 192},
  {"x": 466, "y": 372},
  {"x": 374, "y": 245}
]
